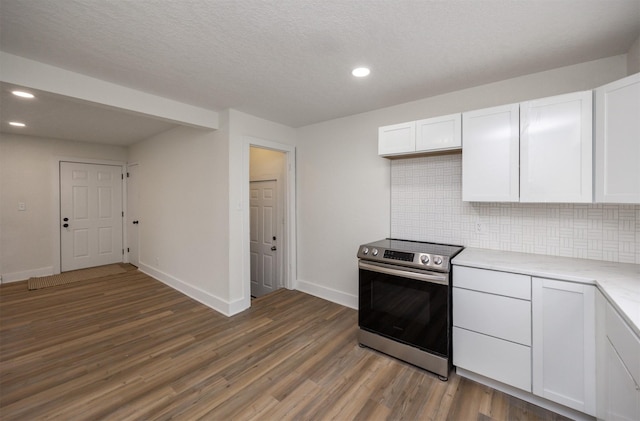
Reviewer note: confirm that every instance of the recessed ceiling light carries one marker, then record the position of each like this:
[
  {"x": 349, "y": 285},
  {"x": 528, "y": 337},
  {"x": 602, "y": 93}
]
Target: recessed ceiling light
[
  {"x": 361, "y": 71},
  {"x": 17, "y": 124},
  {"x": 22, "y": 94}
]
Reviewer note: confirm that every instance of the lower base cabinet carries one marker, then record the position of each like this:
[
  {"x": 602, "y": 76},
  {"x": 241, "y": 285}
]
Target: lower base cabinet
[
  {"x": 618, "y": 366},
  {"x": 504, "y": 361},
  {"x": 582, "y": 355},
  {"x": 564, "y": 343},
  {"x": 622, "y": 399}
]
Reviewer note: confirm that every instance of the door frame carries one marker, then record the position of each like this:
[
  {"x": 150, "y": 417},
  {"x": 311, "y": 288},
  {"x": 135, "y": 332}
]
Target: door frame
[
  {"x": 125, "y": 205},
  {"x": 289, "y": 261},
  {"x": 55, "y": 189}
]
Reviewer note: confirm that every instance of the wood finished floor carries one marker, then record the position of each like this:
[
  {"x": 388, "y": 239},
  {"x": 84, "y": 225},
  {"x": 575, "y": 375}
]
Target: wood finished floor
[{"x": 128, "y": 347}]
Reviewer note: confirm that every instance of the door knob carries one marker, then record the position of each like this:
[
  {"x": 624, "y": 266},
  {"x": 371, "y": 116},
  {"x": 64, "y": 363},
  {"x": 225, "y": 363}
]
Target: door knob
[
  {"x": 65, "y": 225},
  {"x": 135, "y": 222},
  {"x": 65, "y": 219},
  {"x": 274, "y": 248}
]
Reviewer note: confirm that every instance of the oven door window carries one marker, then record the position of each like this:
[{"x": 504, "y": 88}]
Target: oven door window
[{"x": 406, "y": 310}]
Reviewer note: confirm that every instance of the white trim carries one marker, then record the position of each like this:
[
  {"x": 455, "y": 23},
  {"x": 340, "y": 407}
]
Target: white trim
[
  {"x": 216, "y": 303},
  {"x": 289, "y": 257},
  {"x": 125, "y": 208},
  {"x": 55, "y": 181},
  {"x": 26, "y": 274},
  {"x": 328, "y": 294},
  {"x": 525, "y": 396}
]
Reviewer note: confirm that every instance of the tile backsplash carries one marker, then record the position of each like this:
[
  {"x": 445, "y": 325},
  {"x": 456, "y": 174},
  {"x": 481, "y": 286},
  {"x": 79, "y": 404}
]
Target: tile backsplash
[{"x": 426, "y": 205}]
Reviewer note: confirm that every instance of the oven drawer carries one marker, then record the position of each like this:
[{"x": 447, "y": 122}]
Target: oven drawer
[
  {"x": 494, "y": 315},
  {"x": 501, "y": 360},
  {"x": 501, "y": 283}
]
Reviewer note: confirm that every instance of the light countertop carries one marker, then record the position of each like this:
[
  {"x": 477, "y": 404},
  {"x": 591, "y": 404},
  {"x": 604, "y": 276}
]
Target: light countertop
[{"x": 619, "y": 282}]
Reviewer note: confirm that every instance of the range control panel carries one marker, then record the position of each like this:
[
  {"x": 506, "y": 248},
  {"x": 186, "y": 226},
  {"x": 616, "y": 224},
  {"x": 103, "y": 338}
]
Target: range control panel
[{"x": 416, "y": 260}]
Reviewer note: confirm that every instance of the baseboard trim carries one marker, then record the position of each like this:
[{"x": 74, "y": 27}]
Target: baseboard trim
[
  {"x": 26, "y": 274},
  {"x": 328, "y": 294},
  {"x": 525, "y": 396},
  {"x": 208, "y": 299}
]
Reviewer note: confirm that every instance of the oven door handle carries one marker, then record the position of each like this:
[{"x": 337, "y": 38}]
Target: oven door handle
[{"x": 419, "y": 276}]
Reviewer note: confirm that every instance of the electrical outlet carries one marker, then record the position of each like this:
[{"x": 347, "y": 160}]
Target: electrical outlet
[
  {"x": 22, "y": 206},
  {"x": 481, "y": 228}
]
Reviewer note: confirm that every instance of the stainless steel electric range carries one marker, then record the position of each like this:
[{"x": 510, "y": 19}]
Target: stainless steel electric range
[{"x": 405, "y": 301}]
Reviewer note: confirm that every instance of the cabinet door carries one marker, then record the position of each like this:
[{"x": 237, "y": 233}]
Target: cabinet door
[
  {"x": 563, "y": 343},
  {"x": 397, "y": 139},
  {"x": 556, "y": 149},
  {"x": 490, "y": 155},
  {"x": 617, "y": 133},
  {"x": 622, "y": 400},
  {"x": 439, "y": 133}
]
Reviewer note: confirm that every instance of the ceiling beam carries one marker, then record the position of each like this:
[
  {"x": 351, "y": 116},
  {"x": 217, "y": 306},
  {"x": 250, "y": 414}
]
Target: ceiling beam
[{"x": 32, "y": 74}]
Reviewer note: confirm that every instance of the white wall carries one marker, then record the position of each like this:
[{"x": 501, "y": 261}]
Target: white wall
[
  {"x": 27, "y": 174},
  {"x": 633, "y": 58},
  {"x": 344, "y": 187},
  {"x": 183, "y": 213}
]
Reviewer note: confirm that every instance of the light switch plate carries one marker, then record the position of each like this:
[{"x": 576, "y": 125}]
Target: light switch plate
[{"x": 22, "y": 206}]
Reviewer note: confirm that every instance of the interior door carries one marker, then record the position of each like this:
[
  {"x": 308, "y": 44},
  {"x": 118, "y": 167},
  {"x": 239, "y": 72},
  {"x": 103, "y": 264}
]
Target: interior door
[
  {"x": 91, "y": 215},
  {"x": 132, "y": 214},
  {"x": 263, "y": 226}
]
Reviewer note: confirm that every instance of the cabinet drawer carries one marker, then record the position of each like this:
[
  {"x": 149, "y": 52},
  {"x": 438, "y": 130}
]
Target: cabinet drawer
[
  {"x": 494, "y": 315},
  {"x": 497, "y": 359},
  {"x": 625, "y": 342},
  {"x": 501, "y": 283}
]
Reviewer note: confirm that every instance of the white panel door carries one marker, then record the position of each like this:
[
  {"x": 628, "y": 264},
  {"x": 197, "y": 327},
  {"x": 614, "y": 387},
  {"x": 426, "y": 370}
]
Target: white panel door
[
  {"x": 617, "y": 145},
  {"x": 133, "y": 222},
  {"x": 91, "y": 213},
  {"x": 563, "y": 346},
  {"x": 263, "y": 231},
  {"x": 556, "y": 149},
  {"x": 490, "y": 155}
]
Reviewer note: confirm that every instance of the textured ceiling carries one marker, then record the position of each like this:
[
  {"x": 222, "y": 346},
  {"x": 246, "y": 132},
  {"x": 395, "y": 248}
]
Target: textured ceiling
[
  {"x": 58, "y": 117},
  {"x": 289, "y": 61}
]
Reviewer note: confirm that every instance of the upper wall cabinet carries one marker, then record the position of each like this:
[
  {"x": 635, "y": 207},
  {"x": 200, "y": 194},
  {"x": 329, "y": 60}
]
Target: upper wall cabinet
[
  {"x": 422, "y": 136},
  {"x": 535, "y": 151},
  {"x": 490, "y": 155},
  {"x": 617, "y": 145},
  {"x": 397, "y": 139},
  {"x": 556, "y": 149}
]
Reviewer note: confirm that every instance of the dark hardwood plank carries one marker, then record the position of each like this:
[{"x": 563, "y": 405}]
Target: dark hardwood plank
[{"x": 128, "y": 347}]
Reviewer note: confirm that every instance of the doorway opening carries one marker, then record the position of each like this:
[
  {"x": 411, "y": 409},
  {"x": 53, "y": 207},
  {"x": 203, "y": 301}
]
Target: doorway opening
[
  {"x": 269, "y": 175},
  {"x": 267, "y": 170}
]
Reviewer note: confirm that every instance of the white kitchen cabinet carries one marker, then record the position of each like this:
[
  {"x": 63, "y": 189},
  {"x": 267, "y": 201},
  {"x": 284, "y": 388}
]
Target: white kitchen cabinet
[
  {"x": 618, "y": 369},
  {"x": 492, "y": 325},
  {"x": 617, "y": 141},
  {"x": 495, "y": 358},
  {"x": 397, "y": 139},
  {"x": 563, "y": 343},
  {"x": 556, "y": 137},
  {"x": 439, "y": 133},
  {"x": 418, "y": 137},
  {"x": 490, "y": 156},
  {"x": 623, "y": 393}
]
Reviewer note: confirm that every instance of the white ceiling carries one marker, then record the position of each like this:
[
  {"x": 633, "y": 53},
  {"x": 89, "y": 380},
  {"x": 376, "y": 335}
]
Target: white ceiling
[
  {"x": 289, "y": 61},
  {"x": 58, "y": 117}
]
